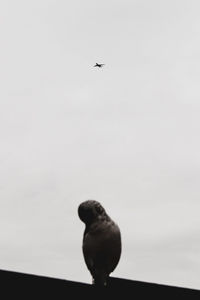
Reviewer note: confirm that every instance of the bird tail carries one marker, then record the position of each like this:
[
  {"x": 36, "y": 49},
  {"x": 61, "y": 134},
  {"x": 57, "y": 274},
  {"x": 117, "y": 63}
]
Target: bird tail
[{"x": 100, "y": 279}]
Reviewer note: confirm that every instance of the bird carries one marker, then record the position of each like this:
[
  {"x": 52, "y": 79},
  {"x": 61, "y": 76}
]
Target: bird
[
  {"x": 99, "y": 65},
  {"x": 101, "y": 245}
]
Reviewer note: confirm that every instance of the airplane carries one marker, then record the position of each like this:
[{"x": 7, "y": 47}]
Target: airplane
[{"x": 99, "y": 65}]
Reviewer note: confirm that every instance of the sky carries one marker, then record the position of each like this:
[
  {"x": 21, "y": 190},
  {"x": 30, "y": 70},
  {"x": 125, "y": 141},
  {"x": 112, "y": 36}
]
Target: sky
[{"x": 126, "y": 135}]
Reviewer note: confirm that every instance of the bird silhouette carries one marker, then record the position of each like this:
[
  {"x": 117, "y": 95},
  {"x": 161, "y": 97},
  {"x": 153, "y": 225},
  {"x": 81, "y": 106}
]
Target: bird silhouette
[
  {"x": 101, "y": 241},
  {"x": 99, "y": 65}
]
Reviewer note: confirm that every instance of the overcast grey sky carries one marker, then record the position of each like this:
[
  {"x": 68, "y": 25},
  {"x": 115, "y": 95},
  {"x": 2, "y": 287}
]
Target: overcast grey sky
[{"x": 126, "y": 135}]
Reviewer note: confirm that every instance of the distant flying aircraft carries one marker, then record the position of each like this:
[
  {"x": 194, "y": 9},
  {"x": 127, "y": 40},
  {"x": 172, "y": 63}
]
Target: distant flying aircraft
[{"x": 99, "y": 65}]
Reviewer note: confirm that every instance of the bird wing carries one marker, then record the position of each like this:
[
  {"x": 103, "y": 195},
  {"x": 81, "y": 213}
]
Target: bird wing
[{"x": 102, "y": 248}]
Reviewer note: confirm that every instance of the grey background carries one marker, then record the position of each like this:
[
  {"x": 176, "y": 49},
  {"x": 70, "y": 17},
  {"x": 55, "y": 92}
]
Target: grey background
[{"x": 126, "y": 135}]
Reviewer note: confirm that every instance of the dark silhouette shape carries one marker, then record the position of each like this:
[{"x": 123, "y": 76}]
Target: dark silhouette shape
[
  {"x": 99, "y": 65},
  {"x": 15, "y": 285},
  {"x": 101, "y": 241}
]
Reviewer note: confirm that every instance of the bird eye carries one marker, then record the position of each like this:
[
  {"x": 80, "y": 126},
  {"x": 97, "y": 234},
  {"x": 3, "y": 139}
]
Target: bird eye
[{"x": 99, "y": 209}]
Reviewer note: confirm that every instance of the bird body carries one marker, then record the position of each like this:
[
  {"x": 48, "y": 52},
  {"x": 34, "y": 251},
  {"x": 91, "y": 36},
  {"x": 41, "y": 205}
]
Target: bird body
[
  {"x": 101, "y": 241},
  {"x": 99, "y": 65}
]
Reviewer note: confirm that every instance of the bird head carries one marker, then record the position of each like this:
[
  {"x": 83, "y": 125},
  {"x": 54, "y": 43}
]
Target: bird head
[{"x": 90, "y": 210}]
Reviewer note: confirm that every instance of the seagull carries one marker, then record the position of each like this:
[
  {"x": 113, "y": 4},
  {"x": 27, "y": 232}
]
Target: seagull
[
  {"x": 99, "y": 65},
  {"x": 101, "y": 241}
]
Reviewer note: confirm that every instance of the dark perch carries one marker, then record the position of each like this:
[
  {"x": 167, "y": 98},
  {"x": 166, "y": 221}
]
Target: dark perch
[{"x": 16, "y": 285}]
